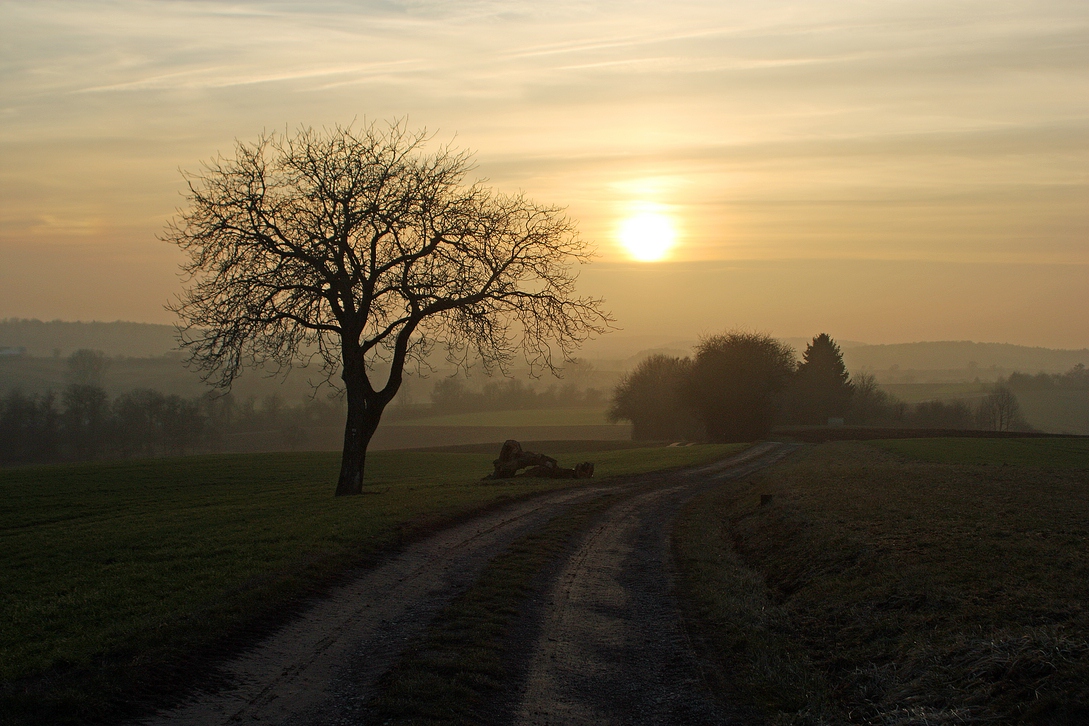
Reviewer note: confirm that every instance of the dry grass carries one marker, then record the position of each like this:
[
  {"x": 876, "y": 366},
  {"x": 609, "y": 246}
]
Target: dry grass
[{"x": 881, "y": 589}]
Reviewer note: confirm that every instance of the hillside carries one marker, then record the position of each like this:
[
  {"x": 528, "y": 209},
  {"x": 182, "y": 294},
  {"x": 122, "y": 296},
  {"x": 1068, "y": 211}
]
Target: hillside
[
  {"x": 142, "y": 340},
  {"x": 962, "y": 355},
  {"x": 60, "y": 338}
]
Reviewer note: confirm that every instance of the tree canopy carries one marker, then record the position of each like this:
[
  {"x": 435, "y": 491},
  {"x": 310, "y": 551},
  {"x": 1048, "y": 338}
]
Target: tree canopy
[
  {"x": 651, "y": 397},
  {"x": 358, "y": 250},
  {"x": 735, "y": 382}
]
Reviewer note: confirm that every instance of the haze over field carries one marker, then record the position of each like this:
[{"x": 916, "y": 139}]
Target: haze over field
[{"x": 888, "y": 172}]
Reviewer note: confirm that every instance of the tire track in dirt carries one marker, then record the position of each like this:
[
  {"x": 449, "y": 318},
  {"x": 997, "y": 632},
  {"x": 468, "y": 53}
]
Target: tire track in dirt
[
  {"x": 322, "y": 668},
  {"x": 611, "y": 647}
]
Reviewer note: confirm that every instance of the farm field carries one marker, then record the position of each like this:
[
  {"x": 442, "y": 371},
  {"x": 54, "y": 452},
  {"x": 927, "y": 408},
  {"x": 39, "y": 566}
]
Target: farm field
[
  {"x": 919, "y": 581},
  {"x": 113, "y": 572},
  {"x": 1060, "y": 411},
  {"x": 917, "y": 392},
  {"x": 1038, "y": 453},
  {"x": 525, "y": 417}
]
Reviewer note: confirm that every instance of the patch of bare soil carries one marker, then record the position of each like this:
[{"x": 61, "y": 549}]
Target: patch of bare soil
[
  {"x": 323, "y": 667},
  {"x": 611, "y": 647}
]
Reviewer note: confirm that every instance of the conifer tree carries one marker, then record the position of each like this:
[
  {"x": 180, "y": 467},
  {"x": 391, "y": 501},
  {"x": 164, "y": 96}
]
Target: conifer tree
[{"x": 823, "y": 388}]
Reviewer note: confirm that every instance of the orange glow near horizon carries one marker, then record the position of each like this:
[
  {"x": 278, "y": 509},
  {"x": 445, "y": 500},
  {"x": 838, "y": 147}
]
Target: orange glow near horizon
[{"x": 684, "y": 138}]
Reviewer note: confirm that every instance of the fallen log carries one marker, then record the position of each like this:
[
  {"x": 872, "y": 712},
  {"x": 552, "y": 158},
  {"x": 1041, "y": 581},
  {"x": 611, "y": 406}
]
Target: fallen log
[{"x": 512, "y": 459}]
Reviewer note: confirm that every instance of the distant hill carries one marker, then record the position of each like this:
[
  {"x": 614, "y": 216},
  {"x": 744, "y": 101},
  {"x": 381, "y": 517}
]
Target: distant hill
[
  {"x": 799, "y": 344},
  {"x": 146, "y": 340},
  {"x": 57, "y": 337},
  {"x": 962, "y": 355}
]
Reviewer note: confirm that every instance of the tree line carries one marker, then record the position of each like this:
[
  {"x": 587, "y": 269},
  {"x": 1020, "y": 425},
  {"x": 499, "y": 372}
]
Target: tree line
[
  {"x": 83, "y": 423},
  {"x": 1075, "y": 379},
  {"x": 738, "y": 385}
]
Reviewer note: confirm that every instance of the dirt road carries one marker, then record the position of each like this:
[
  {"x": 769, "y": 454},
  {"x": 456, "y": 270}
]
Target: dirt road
[
  {"x": 611, "y": 646},
  {"x": 322, "y": 667}
]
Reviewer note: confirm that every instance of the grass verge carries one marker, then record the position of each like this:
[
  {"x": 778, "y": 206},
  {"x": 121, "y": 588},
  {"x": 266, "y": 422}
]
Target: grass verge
[
  {"x": 736, "y": 623},
  {"x": 875, "y": 588},
  {"x": 119, "y": 577}
]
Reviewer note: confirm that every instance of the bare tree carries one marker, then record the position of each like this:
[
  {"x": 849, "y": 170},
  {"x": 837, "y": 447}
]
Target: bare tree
[
  {"x": 358, "y": 250},
  {"x": 87, "y": 367},
  {"x": 1000, "y": 410}
]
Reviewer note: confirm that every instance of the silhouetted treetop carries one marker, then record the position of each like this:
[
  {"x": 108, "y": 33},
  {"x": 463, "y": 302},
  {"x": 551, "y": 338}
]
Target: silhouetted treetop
[
  {"x": 823, "y": 386},
  {"x": 357, "y": 247},
  {"x": 652, "y": 398},
  {"x": 735, "y": 382}
]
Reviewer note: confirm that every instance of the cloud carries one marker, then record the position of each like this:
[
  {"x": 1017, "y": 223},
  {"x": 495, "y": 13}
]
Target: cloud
[{"x": 774, "y": 129}]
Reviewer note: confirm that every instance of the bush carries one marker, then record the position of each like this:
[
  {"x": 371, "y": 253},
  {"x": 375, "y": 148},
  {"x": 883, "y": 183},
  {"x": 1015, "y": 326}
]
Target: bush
[
  {"x": 735, "y": 384},
  {"x": 651, "y": 398}
]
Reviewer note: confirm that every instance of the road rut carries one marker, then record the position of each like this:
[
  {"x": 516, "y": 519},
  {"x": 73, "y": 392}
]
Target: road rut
[
  {"x": 612, "y": 648},
  {"x": 323, "y": 667}
]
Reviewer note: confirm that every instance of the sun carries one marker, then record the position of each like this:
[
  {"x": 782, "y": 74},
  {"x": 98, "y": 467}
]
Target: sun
[{"x": 648, "y": 236}]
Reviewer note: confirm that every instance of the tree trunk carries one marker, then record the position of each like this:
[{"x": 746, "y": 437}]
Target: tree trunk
[{"x": 364, "y": 412}]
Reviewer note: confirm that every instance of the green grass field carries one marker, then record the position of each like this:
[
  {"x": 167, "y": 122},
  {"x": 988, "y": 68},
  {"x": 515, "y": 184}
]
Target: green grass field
[
  {"x": 907, "y": 582},
  {"x": 130, "y": 564},
  {"x": 1040, "y": 453},
  {"x": 528, "y": 417}
]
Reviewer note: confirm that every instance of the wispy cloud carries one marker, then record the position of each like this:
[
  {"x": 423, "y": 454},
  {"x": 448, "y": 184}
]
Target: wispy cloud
[
  {"x": 225, "y": 77},
  {"x": 904, "y": 128}
]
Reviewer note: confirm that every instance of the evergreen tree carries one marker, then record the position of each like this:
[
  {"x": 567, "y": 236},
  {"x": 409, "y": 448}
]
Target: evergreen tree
[{"x": 822, "y": 385}]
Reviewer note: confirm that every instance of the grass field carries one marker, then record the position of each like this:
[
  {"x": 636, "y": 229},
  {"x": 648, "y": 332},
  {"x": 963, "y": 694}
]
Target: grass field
[
  {"x": 113, "y": 571},
  {"x": 1036, "y": 453},
  {"x": 527, "y": 417},
  {"x": 905, "y": 582},
  {"x": 917, "y": 392}
]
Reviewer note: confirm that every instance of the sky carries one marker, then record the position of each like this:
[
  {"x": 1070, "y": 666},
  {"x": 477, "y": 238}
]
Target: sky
[{"x": 882, "y": 171}]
